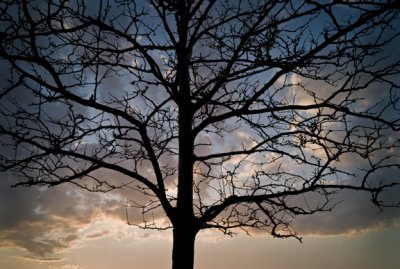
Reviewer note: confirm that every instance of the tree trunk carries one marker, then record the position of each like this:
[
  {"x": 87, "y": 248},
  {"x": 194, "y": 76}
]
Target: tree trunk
[
  {"x": 184, "y": 222},
  {"x": 183, "y": 247}
]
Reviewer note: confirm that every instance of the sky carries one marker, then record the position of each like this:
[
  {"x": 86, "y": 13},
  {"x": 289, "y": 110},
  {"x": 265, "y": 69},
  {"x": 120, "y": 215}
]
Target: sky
[
  {"x": 68, "y": 228},
  {"x": 64, "y": 227}
]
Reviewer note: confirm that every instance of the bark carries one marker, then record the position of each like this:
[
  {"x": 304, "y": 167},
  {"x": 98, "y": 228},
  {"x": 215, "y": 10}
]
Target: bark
[
  {"x": 184, "y": 222},
  {"x": 183, "y": 247}
]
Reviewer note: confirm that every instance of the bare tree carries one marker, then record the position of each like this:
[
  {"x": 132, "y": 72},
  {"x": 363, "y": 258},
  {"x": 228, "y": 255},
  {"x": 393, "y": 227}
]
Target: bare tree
[{"x": 218, "y": 114}]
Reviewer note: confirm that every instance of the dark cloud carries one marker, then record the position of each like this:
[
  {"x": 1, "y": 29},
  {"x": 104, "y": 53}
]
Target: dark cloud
[
  {"x": 355, "y": 215},
  {"x": 45, "y": 221},
  {"x": 41, "y": 260}
]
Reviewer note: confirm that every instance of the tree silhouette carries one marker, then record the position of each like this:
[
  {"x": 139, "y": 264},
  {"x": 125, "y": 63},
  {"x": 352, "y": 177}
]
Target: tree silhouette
[{"x": 217, "y": 114}]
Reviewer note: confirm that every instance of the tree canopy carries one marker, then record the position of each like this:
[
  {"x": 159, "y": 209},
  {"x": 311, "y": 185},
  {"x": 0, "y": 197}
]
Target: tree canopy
[{"x": 216, "y": 114}]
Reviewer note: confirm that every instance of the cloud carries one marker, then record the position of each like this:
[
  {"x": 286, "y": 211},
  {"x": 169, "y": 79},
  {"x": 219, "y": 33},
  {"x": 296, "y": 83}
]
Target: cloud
[
  {"x": 69, "y": 266},
  {"x": 98, "y": 234},
  {"x": 41, "y": 260},
  {"x": 354, "y": 212},
  {"x": 353, "y": 216},
  {"x": 47, "y": 221}
]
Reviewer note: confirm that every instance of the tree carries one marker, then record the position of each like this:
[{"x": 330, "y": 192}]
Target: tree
[{"x": 218, "y": 114}]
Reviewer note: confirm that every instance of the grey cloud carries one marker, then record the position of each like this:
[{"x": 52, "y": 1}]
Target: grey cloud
[
  {"x": 353, "y": 214},
  {"x": 41, "y": 260},
  {"x": 46, "y": 221},
  {"x": 50, "y": 218}
]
